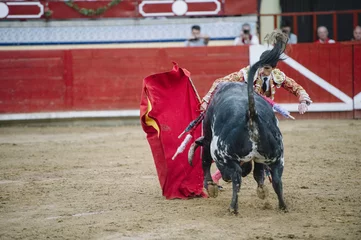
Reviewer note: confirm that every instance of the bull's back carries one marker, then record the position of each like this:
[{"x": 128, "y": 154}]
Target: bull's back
[
  {"x": 227, "y": 120},
  {"x": 228, "y": 107}
]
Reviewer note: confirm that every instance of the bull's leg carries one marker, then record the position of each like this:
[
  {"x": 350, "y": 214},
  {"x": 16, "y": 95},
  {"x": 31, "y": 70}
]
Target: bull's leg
[
  {"x": 258, "y": 175},
  {"x": 211, "y": 187},
  {"x": 236, "y": 186},
  {"x": 276, "y": 172}
]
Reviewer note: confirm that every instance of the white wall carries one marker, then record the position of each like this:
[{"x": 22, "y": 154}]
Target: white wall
[
  {"x": 267, "y": 23},
  {"x": 121, "y": 31}
]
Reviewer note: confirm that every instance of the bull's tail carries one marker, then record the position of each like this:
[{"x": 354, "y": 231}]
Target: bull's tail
[{"x": 270, "y": 58}]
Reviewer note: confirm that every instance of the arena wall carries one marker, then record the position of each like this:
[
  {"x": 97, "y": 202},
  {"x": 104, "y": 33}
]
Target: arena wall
[
  {"x": 75, "y": 83},
  {"x": 94, "y": 9},
  {"x": 145, "y": 31}
]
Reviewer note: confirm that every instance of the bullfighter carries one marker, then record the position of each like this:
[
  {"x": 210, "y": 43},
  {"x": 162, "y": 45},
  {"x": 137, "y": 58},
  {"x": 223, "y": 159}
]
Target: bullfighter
[{"x": 266, "y": 80}]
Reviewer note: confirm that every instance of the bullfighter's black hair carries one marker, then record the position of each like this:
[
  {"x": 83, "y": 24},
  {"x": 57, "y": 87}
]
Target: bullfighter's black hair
[{"x": 270, "y": 57}]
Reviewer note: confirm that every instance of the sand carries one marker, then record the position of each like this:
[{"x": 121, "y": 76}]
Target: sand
[{"x": 88, "y": 182}]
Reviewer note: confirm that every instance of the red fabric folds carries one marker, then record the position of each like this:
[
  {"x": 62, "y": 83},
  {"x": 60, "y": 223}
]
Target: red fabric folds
[{"x": 169, "y": 103}]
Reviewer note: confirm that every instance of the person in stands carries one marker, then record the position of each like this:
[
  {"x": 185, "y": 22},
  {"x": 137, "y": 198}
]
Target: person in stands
[
  {"x": 246, "y": 38},
  {"x": 357, "y": 34},
  {"x": 322, "y": 34},
  {"x": 197, "y": 39},
  {"x": 286, "y": 29}
]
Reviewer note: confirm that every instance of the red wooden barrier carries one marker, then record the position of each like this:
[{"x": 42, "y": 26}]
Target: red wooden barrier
[
  {"x": 332, "y": 63},
  {"x": 32, "y": 81},
  {"x": 101, "y": 79},
  {"x": 111, "y": 79}
]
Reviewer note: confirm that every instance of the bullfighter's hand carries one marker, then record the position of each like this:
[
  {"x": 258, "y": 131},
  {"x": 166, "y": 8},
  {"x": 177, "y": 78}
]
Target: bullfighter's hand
[
  {"x": 302, "y": 107},
  {"x": 305, "y": 98}
]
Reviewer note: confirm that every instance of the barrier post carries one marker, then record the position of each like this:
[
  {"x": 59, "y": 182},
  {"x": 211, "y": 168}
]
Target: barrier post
[
  {"x": 275, "y": 25},
  {"x": 68, "y": 79},
  {"x": 314, "y": 33},
  {"x": 334, "y": 23},
  {"x": 355, "y": 19},
  {"x": 295, "y": 25}
]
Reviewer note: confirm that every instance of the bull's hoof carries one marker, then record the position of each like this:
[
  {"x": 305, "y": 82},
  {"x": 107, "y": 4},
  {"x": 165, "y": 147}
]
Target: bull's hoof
[
  {"x": 233, "y": 211},
  {"x": 212, "y": 190},
  {"x": 262, "y": 192},
  {"x": 283, "y": 208}
]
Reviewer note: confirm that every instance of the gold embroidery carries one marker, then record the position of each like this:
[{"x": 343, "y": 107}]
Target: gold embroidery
[
  {"x": 278, "y": 76},
  {"x": 278, "y": 79},
  {"x": 244, "y": 72}
]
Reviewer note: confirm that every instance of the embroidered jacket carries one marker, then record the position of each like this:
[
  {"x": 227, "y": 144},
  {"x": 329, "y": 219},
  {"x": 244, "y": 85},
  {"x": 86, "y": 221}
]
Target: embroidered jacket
[{"x": 276, "y": 79}]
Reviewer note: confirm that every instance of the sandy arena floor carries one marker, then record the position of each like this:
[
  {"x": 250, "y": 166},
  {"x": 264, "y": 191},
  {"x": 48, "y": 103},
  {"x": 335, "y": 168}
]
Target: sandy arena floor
[{"x": 100, "y": 183}]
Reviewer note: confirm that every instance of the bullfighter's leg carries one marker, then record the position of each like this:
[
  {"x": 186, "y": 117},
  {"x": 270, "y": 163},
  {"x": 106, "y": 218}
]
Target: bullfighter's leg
[
  {"x": 216, "y": 176},
  {"x": 276, "y": 172},
  {"x": 258, "y": 175},
  {"x": 211, "y": 187},
  {"x": 246, "y": 169}
]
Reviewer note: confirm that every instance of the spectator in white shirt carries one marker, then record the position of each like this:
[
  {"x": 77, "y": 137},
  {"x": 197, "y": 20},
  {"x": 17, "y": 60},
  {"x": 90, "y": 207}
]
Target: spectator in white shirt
[
  {"x": 286, "y": 29},
  {"x": 246, "y": 38},
  {"x": 197, "y": 39}
]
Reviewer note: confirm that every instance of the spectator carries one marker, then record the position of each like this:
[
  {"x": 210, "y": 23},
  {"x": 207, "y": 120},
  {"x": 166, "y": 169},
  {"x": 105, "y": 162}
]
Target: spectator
[
  {"x": 197, "y": 39},
  {"x": 357, "y": 34},
  {"x": 246, "y": 38},
  {"x": 322, "y": 34},
  {"x": 286, "y": 29}
]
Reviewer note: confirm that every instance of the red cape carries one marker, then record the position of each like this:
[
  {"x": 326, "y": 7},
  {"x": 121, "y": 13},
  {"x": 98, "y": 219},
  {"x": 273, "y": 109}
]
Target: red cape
[{"x": 169, "y": 103}]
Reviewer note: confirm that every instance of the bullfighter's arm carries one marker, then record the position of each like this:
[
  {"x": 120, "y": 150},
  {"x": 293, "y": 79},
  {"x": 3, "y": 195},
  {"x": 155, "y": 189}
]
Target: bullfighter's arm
[
  {"x": 293, "y": 87},
  {"x": 296, "y": 89},
  {"x": 233, "y": 77}
]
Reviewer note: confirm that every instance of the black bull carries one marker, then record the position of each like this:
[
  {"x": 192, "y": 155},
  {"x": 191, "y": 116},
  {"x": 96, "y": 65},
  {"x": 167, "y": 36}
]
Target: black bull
[
  {"x": 229, "y": 141},
  {"x": 240, "y": 126}
]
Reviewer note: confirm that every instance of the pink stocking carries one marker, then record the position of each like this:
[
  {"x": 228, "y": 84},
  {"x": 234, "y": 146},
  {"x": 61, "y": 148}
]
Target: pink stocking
[{"x": 216, "y": 176}]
